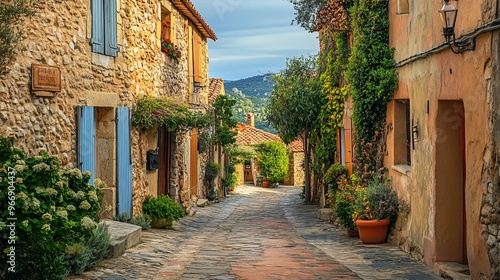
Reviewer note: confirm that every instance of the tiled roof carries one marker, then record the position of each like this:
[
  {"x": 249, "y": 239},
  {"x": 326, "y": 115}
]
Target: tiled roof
[
  {"x": 248, "y": 135},
  {"x": 296, "y": 146},
  {"x": 187, "y": 8},
  {"x": 215, "y": 88}
]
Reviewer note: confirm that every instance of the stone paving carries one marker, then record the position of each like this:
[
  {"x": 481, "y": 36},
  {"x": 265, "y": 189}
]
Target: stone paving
[{"x": 257, "y": 233}]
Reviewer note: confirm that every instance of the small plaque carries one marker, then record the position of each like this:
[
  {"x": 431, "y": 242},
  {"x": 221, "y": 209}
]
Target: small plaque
[{"x": 45, "y": 78}]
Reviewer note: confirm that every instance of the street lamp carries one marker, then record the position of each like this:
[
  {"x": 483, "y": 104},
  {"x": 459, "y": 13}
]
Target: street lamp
[{"x": 449, "y": 16}]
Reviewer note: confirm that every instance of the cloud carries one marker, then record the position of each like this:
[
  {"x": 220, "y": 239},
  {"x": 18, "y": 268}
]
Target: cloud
[{"x": 254, "y": 36}]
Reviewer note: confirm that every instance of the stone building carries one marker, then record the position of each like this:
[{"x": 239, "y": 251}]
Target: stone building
[{"x": 107, "y": 54}]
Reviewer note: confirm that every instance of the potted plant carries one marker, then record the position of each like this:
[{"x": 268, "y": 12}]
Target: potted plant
[
  {"x": 376, "y": 206},
  {"x": 345, "y": 201},
  {"x": 272, "y": 159},
  {"x": 170, "y": 50},
  {"x": 162, "y": 210}
]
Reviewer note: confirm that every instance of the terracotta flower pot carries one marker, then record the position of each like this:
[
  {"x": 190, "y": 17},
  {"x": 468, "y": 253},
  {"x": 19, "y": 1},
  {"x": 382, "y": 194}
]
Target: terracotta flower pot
[
  {"x": 265, "y": 184},
  {"x": 373, "y": 231},
  {"x": 352, "y": 233}
]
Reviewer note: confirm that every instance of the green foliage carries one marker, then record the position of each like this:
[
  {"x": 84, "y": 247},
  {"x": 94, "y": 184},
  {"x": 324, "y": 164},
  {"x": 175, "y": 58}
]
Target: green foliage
[
  {"x": 345, "y": 202},
  {"x": 306, "y": 12},
  {"x": 333, "y": 175},
  {"x": 123, "y": 217},
  {"x": 211, "y": 171},
  {"x": 251, "y": 95},
  {"x": 240, "y": 154},
  {"x": 293, "y": 106},
  {"x": 272, "y": 159},
  {"x": 225, "y": 124},
  {"x": 371, "y": 76},
  {"x": 12, "y": 14},
  {"x": 144, "y": 221},
  {"x": 150, "y": 112},
  {"x": 212, "y": 195},
  {"x": 230, "y": 181},
  {"x": 162, "y": 207},
  {"x": 96, "y": 248},
  {"x": 55, "y": 209}
]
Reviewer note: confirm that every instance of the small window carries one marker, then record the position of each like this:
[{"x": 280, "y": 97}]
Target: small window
[
  {"x": 166, "y": 27},
  {"x": 408, "y": 134},
  {"x": 104, "y": 27},
  {"x": 402, "y": 132}
]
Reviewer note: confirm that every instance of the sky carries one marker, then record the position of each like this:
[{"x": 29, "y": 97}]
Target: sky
[{"x": 254, "y": 37}]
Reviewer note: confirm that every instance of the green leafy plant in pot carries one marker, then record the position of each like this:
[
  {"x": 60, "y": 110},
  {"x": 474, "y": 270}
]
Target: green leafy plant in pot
[{"x": 162, "y": 210}]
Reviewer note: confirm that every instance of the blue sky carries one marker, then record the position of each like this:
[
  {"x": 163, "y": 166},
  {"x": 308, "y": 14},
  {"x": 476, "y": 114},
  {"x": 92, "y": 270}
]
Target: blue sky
[{"x": 254, "y": 37}]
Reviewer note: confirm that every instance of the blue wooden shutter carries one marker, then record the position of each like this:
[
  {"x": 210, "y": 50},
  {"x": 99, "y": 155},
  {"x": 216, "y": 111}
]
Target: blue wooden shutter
[
  {"x": 86, "y": 140},
  {"x": 97, "y": 40},
  {"x": 110, "y": 29},
  {"x": 124, "y": 161}
]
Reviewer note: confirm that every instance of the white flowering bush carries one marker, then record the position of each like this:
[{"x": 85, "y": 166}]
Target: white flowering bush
[{"x": 45, "y": 212}]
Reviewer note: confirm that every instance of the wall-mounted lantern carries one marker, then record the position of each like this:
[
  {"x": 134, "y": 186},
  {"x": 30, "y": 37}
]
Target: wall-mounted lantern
[{"x": 449, "y": 16}]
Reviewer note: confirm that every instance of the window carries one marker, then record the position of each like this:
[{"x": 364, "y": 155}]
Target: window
[
  {"x": 104, "y": 27},
  {"x": 408, "y": 134},
  {"x": 166, "y": 26}
]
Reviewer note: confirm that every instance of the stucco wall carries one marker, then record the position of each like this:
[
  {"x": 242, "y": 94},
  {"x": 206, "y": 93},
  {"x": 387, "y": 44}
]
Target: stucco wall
[{"x": 428, "y": 83}]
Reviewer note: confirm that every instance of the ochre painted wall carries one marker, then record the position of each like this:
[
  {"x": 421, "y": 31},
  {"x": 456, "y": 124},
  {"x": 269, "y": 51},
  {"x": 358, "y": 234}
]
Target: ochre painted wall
[{"x": 437, "y": 85}]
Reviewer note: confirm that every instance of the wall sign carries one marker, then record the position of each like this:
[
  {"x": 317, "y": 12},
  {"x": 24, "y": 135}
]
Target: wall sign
[{"x": 45, "y": 80}]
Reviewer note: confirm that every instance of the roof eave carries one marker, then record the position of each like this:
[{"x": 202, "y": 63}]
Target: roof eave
[{"x": 187, "y": 8}]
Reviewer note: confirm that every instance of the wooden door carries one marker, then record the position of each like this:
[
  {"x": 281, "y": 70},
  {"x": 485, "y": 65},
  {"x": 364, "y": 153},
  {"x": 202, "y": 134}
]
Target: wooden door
[{"x": 164, "y": 157}]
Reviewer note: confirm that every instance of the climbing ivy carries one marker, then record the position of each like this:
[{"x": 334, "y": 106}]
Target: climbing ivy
[
  {"x": 150, "y": 112},
  {"x": 372, "y": 79}
]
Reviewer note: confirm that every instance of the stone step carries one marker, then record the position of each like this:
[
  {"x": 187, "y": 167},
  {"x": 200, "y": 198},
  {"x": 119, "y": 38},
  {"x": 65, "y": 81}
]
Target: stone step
[{"x": 123, "y": 236}]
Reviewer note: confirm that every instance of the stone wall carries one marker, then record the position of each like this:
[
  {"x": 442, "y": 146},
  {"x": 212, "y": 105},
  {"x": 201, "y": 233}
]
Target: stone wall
[{"x": 59, "y": 35}]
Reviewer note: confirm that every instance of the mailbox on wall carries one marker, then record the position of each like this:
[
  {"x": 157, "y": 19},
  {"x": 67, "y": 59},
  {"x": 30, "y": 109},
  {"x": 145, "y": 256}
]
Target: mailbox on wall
[{"x": 152, "y": 160}]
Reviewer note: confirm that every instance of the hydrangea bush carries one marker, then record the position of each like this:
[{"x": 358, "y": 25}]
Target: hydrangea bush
[{"x": 45, "y": 212}]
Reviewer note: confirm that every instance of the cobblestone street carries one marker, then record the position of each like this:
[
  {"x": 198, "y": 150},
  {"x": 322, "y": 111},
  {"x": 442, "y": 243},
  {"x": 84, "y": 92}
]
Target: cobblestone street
[{"x": 257, "y": 233}]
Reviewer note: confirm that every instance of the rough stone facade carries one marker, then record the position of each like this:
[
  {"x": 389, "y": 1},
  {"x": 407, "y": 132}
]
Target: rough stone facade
[{"x": 58, "y": 35}]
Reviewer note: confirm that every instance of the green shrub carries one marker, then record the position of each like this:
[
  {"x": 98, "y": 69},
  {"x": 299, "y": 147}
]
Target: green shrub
[
  {"x": 55, "y": 210},
  {"x": 162, "y": 207},
  {"x": 144, "y": 221},
  {"x": 123, "y": 217},
  {"x": 272, "y": 159},
  {"x": 231, "y": 180},
  {"x": 333, "y": 175},
  {"x": 92, "y": 251}
]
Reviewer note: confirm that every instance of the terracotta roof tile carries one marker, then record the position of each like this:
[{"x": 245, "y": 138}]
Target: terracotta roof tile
[
  {"x": 215, "y": 88},
  {"x": 296, "y": 146},
  {"x": 248, "y": 135}
]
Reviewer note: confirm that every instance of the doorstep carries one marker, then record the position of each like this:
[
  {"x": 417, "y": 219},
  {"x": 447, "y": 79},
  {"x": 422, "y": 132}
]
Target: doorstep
[
  {"x": 123, "y": 236},
  {"x": 453, "y": 271}
]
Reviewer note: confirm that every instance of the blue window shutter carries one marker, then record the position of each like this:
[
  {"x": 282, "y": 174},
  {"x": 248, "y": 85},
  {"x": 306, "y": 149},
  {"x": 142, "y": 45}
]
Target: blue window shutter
[
  {"x": 110, "y": 29},
  {"x": 124, "y": 161},
  {"x": 97, "y": 40},
  {"x": 86, "y": 140}
]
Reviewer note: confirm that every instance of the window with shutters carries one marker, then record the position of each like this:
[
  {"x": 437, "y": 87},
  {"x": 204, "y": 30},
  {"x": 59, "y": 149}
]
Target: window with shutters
[{"x": 104, "y": 27}]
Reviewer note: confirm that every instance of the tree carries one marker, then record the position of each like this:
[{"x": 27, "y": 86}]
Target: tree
[
  {"x": 294, "y": 105},
  {"x": 11, "y": 15},
  {"x": 306, "y": 12},
  {"x": 225, "y": 124}
]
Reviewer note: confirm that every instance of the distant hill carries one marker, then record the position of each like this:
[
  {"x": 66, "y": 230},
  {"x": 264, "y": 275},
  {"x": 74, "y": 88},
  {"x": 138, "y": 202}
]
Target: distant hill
[{"x": 251, "y": 95}]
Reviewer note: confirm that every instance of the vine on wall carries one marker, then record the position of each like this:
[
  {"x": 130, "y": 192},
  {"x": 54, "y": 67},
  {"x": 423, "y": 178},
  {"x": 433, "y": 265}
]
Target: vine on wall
[{"x": 372, "y": 80}]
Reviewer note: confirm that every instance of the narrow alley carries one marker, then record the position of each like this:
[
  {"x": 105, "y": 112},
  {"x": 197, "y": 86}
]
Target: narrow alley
[{"x": 257, "y": 233}]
